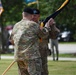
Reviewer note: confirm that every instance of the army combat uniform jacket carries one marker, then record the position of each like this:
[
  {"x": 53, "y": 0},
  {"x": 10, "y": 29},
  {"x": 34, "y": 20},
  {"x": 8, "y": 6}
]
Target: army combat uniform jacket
[{"x": 25, "y": 35}]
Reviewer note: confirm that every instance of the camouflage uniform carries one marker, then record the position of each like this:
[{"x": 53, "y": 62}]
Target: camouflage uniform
[
  {"x": 25, "y": 35},
  {"x": 43, "y": 48},
  {"x": 54, "y": 41}
]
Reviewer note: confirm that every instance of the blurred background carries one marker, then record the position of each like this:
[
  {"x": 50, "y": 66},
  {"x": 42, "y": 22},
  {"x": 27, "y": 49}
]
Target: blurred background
[{"x": 12, "y": 13}]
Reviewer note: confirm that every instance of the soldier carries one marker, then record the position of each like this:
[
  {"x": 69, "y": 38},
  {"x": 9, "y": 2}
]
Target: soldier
[
  {"x": 53, "y": 34},
  {"x": 43, "y": 45},
  {"x": 25, "y": 37}
]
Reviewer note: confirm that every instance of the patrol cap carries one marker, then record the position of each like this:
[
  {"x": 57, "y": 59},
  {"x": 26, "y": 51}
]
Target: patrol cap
[
  {"x": 28, "y": 10},
  {"x": 36, "y": 11}
]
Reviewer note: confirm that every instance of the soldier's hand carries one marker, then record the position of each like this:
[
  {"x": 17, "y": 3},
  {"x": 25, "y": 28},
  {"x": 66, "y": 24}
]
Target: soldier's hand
[{"x": 50, "y": 22}]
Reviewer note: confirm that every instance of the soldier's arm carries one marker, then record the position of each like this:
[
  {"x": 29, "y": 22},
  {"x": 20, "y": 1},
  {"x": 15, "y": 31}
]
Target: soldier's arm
[{"x": 11, "y": 39}]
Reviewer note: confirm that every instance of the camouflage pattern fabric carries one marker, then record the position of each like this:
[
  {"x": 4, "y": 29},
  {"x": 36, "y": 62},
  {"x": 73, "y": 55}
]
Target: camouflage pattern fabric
[
  {"x": 26, "y": 40},
  {"x": 54, "y": 32},
  {"x": 44, "y": 51},
  {"x": 25, "y": 36},
  {"x": 30, "y": 67},
  {"x": 26, "y": 44},
  {"x": 43, "y": 48}
]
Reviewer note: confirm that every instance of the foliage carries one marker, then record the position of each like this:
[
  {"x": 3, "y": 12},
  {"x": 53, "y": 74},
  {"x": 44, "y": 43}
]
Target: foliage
[
  {"x": 62, "y": 68},
  {"x": 13, "y": 10},
  {"x": 54, "y": 67}
]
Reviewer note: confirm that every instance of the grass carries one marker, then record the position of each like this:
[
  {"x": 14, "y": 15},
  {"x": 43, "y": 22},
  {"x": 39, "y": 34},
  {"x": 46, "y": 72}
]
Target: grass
[
  {"x": 54, "y": 67},
  {"x": 8, "y": 54},
  {"x": 62, "y": 68},
  {"x": 67, "y": 42},
  {"x": 4, "y": 64},
  {"x": 60, "y": 55},
  {"x": 71, "y": 55}
]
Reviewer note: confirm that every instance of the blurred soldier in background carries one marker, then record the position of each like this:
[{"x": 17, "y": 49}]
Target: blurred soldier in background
[{"x": 53, "y": 40}]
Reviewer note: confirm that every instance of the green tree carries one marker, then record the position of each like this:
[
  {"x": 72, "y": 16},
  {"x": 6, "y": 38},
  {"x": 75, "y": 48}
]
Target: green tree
[{"x": 13, "y": 12}]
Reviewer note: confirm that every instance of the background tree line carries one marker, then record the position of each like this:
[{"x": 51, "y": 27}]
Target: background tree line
[{"x": 67, "y": 18}]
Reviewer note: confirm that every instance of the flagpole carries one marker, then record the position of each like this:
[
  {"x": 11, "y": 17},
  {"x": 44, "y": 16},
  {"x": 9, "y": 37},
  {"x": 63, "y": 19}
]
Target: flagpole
[
  {"x": 1, "y": 10},
  {"x": 37, "y": 4}
]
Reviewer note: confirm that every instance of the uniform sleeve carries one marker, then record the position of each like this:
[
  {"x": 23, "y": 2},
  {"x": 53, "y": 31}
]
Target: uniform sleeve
[{"x": 41, "y": 33}]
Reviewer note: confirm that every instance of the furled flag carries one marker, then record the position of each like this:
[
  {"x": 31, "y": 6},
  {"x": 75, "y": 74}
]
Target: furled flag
[
  {"x": 1, "y": 8},
  {"x": 29, "y": 2}
]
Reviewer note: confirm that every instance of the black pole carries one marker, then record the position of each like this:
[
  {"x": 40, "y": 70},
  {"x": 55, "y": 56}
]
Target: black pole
[
  {"x": 56, "y": 12},
  {"x": 2, "y": 37}
]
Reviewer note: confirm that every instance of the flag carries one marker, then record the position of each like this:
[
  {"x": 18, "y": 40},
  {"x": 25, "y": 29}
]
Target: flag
[
  {"x": 1, "y": 8},
  {"x": 29, "y": 2}
]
